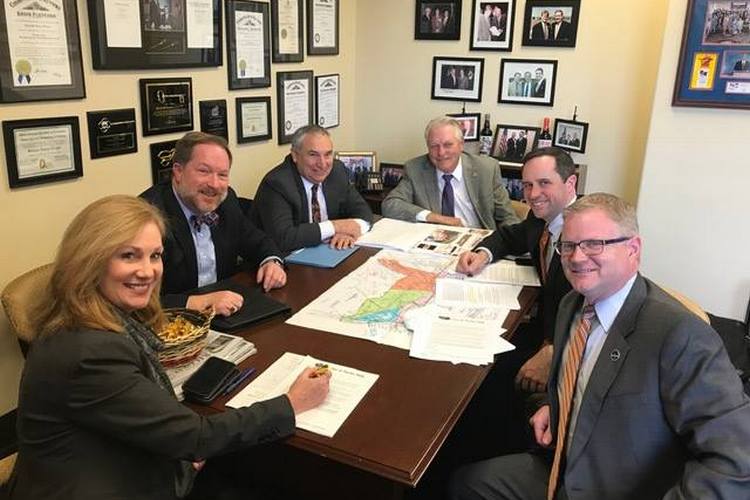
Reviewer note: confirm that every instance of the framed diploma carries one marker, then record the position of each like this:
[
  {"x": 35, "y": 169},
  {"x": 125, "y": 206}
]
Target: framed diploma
[
  {"x": 248, "y": 45},
  {"x": 253, "y": 119},
  {"x": 213, "y": 115},
  {"x": 327, "y": 100},
  {"x": 322, "y": 27},
  {"x": 40, "y": 51},
  {"x": 161, "y": 160},
  {"x": 146, "y": 34},
  {"x": 286, "y": 16},
  {"x": 111, "y": 132},
  {"x": 42, "y": 150},
  {"x": 166, "y": 105},
  {"x": 295, "y": 102}
]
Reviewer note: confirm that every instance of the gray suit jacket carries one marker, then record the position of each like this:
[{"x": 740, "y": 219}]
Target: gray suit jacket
[
  {"x": 418, "y": 190},
  {"x": 663, "y": 414}
]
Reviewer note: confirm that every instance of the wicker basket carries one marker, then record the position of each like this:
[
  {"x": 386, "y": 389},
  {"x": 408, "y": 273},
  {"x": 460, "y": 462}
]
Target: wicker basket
[{"x": 186, "y": 340}]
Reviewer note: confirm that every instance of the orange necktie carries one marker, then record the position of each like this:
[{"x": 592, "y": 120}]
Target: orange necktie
[
  {"x": 543, "y": 248},
  {"x": 566, "y": 389}
]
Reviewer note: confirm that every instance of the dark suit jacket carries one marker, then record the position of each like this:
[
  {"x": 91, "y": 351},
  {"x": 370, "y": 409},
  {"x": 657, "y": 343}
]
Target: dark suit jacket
[
  {"x": 234, "y": 236},
  {"x": 92, "y": 425},
  {"x": 523, "y": 237},
  {"x": 281, "y": 210},
  {"x": 663, "y": 414},
  {"x": 539, "y": 88},
  {"x": 565, "y": 32},
  {"x": 537, "y": 31}
]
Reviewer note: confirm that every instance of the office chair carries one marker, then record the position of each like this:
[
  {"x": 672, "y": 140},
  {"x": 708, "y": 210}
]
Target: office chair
[
  {"x": 17, "y": 299},
  {"x": 6, "y": 468},
  {"x": 246, "y": 204},
  {"x": 521, "y": 208},
  {"x": 689, "y": 303}
]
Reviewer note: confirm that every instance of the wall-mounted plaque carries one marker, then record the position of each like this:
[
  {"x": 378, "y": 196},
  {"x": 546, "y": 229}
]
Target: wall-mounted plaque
[
  {"x": 166, "y": 105},
  {"x": 111, "y": 132},
  {"x": 161, "y": 160},
  {"x": 214, "y": 117}
]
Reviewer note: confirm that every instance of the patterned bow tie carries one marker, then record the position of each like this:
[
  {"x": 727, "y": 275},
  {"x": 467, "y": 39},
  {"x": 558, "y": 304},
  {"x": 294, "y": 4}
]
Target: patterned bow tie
[{"x": 209, "y": 219}]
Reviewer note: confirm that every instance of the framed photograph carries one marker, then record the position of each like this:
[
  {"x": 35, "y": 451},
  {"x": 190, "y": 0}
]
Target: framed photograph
[
  {"x": 513, "y": 142},
  {"x": 286, "y": 19},
  {"x": 437, "y": 20},
  {"x": 111, "y": 132},
  {"x": 457, "y": 78},
  {"x": 391, "y": 174},
  {"x": 162, "y": 154},
  {"x": 322, "y": 27},
  {"x": 213, "y": 117},
  {"x": 714, "y": 64},
  {"x": 166, "y": 105},
  {"x": 358, "y": 165},
  {"x": 253, "y": 119},
  {"x": 492, "y": 25},
  {"x": 248, "y": 44},
  {"x": 527, "y": 81},
  {"x": 40, "y": 51},
  {"x": 327, "y": 100},
  {"x": 570, "y": 135},
  {"x": 470, "y": 124},
  {"x": 551, "y": 23},
  {"x": 294, "y": 100},
  {"x": 42, "y": 150},
  {"x": 155, "y": 34}
]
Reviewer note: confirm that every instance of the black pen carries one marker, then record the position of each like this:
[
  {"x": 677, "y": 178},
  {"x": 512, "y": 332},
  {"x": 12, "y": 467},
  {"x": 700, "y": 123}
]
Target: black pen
[{"x": 244, "y": 374}]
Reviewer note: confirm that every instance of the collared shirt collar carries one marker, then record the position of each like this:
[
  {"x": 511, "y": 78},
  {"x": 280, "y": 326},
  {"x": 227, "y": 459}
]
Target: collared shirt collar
[
  {"x": 185, "y": 210},
  {"x": 608, "y": 309},
  {"x": 458, "y": 172},
  {"x": 555, "y": 226}
]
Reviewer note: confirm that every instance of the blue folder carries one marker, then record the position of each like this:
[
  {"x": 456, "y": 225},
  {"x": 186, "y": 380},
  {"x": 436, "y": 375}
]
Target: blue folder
[{"x": 320, "y": 256}]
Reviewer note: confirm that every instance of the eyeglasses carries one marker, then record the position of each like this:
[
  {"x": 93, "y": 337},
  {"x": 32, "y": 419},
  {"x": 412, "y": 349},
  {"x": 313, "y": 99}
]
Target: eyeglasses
[{"x": 588, "y": 247}]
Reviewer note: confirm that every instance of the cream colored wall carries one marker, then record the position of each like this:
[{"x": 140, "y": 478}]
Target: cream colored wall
[
  {"x": 693, "y": 198},
  {"x": 35, "y": 217},
  {"x": 609, "y": 75}
]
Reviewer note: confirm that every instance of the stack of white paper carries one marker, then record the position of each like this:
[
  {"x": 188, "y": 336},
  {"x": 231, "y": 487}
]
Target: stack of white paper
[
  {"x": 508, "y": 272},
  {"x": 463, "y": 293}
]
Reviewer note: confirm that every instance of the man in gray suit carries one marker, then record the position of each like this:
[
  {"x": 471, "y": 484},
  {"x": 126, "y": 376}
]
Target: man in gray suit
[
  {"x": 643, "y": 400},
  {"x": 450, "y": 187}
]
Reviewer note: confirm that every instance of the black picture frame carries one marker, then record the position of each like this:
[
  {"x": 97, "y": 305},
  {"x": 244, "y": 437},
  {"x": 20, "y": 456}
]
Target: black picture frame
[
  {"x": 154, "y": 46},
  {"x": 162, "y": 154},
  {"x": 714, "y": 62},
  {"x": 19, "y": 79},
  {"x": 213, "y": 117},
  {"x": 256, "y": 127},
  {"x": 432, "y": 28},
  {"x": 563, "y": 12},
  {"x": 166, "y": 105},
  {"x": 252, "y": 17},
  {"x": 391, "y": 174},
  {"x": 291, "y": 29},
  {"x": 297, "y": 85},
  {"x": 320, "y": 43},
  {"x": 112, "y": 132},
  {"x": 328, "y": 91},
  {"x": 513, "y": 152},
  {"x": 448, "y": 86},
  {"x": 42, "y": 150},
  {"x": 570, "y": 135},
  {"x": 514, "y": 91},
  {"x": 492, "y": 29},
  {"x": 470, "y": 124},
  {"x": 360, "y": 167}
]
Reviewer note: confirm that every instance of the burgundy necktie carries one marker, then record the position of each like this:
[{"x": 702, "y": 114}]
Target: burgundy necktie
[
  {"x": 314, "y": 204},
  {"x": 209, "y": 219}
]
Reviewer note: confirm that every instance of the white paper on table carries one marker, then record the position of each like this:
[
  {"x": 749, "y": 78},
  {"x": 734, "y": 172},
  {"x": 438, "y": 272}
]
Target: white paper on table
[
  {"x": 508, "y": 272},
  {"x": 450, "y": 292},
  {"x": 348, "y": 387},
  {"x": 397, "y": 234}
]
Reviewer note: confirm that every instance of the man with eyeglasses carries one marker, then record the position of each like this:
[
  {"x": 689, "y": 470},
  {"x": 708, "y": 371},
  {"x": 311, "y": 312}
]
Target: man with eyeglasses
[{"x": 643, "y": 400}]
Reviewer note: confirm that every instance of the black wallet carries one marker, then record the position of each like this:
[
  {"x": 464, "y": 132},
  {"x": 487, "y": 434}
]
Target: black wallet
[{"x": 209, "y": 381}]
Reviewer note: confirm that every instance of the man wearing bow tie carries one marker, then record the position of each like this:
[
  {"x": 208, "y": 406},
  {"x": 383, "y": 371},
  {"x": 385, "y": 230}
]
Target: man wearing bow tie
[{"x": 207, "y": 229}]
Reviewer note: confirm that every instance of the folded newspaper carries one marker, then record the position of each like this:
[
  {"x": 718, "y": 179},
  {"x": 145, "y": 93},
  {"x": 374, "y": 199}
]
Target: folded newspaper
[{"x": 228, "y": 347}]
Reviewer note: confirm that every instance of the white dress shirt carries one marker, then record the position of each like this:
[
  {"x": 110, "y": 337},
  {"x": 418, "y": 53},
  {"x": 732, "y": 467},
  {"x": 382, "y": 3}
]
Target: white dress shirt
[
  {"x": 326, "y": 226},
  {"x": 462, "y": 207}
]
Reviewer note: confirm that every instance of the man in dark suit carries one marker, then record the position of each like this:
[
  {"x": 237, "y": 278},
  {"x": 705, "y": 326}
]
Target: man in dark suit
[
  {"x": 449, "y": 79},
  {"x": 541, "y": 30},
  {"x": 308, "y": 199},
  {"x": 521, "y": 145},
  {"x": 540, "y": 84},
  {"x": 643, "y": 400},
  {"x": 549, "y": 185},
  {"x": 207, "y": 229},
  {"x": 562, "y": 29}
]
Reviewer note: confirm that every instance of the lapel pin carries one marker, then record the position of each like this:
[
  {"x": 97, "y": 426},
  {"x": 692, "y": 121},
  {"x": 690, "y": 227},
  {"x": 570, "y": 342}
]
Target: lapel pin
[{"x": 614, "y": 355}]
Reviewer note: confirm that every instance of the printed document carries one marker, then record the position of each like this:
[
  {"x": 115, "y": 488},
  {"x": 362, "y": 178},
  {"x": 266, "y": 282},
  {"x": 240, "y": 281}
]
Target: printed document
[{"x": 451, "y": 292}]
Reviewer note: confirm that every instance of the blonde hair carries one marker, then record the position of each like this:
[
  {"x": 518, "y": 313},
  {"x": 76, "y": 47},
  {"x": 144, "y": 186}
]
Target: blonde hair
[
  {"x": 73, "y": 299},
  {"x": 618, "y": 210}
]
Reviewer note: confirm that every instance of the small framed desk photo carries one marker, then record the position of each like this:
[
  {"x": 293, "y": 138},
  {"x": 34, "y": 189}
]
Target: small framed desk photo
[{"x": 359, "y": 164}]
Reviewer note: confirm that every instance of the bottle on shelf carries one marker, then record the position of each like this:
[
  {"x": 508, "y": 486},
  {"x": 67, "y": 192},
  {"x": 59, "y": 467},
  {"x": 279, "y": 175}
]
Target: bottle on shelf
[
  {"x": 545, "y": 139},
  {"x": 485, "y": 137}
]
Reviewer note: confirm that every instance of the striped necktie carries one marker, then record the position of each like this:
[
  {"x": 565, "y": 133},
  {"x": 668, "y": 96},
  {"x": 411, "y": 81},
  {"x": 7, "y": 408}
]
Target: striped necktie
[
  {"x": 566, "y": 387},
  {"x": 544, "y": 241},
  {"x": 314, "y": 203}
]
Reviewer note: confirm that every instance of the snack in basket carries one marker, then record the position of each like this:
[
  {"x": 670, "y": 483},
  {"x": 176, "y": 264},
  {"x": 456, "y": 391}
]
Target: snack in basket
[{"x": 184, "y": 336}]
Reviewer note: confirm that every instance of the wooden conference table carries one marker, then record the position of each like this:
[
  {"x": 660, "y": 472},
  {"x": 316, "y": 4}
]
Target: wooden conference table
[{"x": 399, "y": 426}]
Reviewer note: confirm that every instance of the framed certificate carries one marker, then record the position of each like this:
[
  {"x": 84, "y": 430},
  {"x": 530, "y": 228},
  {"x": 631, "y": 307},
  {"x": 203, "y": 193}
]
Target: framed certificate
[
  {"x": 253, "y": 119},
  {"x": 286, "y": 16},
  {"x": 40, "y": 51},
  {"x": 327, "y": 100},
  {"x": 166, "y": 105},
  {"x": 294, "y": 98},
  {"x": 111, "y": 132},
  {"x": 146, "y": 34},
  {"x": 248, "y": 44},
  {"x": 322, "y": 27},
  {"x": 42, "y": 150}
]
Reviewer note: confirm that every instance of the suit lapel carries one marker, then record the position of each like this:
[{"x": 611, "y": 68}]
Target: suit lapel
[
  {"x": 180, "y": 229},
  {"x": 304, "y": 209},
  {"x": 471, "y": 180},
  {"x": 429, "y": 181}
]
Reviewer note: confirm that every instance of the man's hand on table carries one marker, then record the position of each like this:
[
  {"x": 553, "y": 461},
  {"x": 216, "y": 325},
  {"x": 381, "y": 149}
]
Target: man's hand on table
[
  {"x": 340, "y": 241},
  {"x": 271, "y": 275},
  {"x": 471, "y": 263},
  {"x": 224, "y": 303},
  {"x": 444, "y": 220}
]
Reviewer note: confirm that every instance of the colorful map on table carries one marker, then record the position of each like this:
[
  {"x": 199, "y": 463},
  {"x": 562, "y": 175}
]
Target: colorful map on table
[{"x": 370, "y": 302}]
